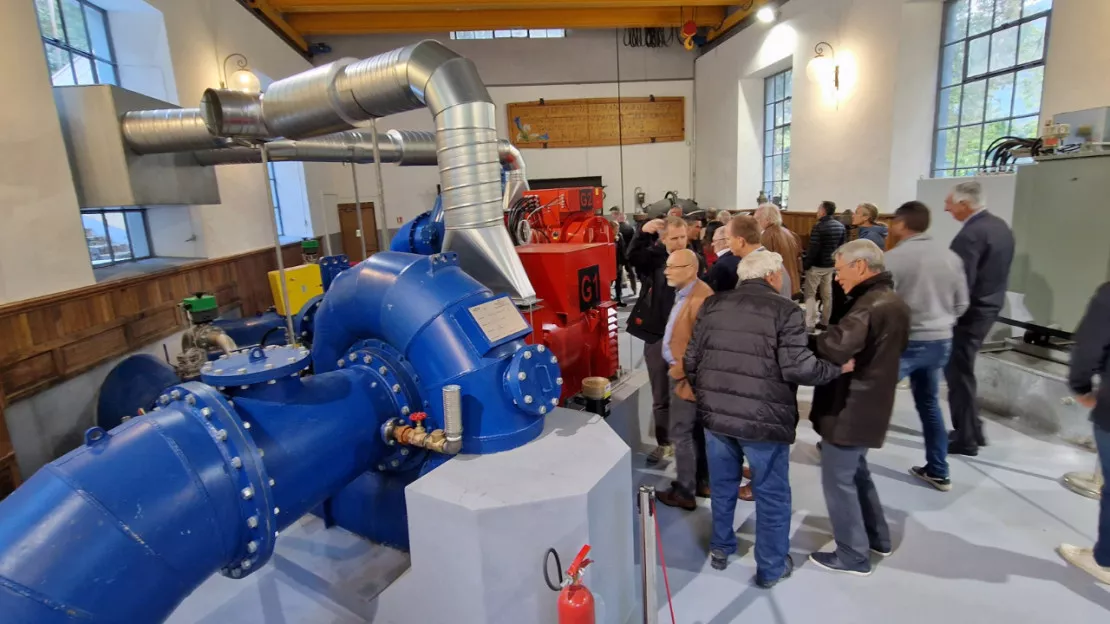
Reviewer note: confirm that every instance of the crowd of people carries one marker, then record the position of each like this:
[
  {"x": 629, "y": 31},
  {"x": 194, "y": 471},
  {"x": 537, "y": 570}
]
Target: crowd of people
[{"x": 735, "y": 315}]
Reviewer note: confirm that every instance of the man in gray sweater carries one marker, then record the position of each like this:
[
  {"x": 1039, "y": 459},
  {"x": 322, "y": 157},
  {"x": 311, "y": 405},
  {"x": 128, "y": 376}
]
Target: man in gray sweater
[{"x": 931, "y": 280}]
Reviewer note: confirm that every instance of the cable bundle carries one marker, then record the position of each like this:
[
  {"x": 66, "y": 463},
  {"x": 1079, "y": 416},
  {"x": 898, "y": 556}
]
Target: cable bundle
[
  {"x": 650, "y": 37},
  {"x": 1001, "y": 152},
  {"x": 521, "y": 211}
]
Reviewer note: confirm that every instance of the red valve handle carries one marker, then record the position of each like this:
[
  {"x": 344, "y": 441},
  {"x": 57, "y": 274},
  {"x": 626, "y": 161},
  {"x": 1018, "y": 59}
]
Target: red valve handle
[{"x": 418, "y": 417}]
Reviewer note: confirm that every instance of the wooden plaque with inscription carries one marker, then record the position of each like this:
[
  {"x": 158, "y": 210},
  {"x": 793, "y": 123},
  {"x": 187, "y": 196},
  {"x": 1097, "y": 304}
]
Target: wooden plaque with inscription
[{"x": 594, "y": 122}]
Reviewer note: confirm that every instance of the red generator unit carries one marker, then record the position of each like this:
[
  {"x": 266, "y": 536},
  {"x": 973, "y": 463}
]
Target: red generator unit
[
  {"x": 575, "y": 318},
  {"x": 568, "y": 215}
]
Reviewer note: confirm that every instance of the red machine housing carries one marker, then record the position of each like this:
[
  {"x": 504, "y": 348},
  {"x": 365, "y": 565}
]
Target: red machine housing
[
  {"x": 569, "y": 215},
  {"x": 575, "y": 317}
]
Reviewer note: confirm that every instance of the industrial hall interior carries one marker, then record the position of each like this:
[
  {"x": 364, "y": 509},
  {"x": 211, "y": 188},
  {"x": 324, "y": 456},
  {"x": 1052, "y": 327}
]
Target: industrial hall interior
[{"x": 554, "y": 312}]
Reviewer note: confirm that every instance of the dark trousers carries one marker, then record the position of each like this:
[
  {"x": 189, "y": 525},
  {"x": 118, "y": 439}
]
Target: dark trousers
[
  {"x": 922, "y": 362},
  {"x": 967, "y": 338},
  {"x": 855, "y": 512},
  {"x": 770, "y": 464},
  {"x": 1102, "y": 546},
  {"x": 660, "y": 383},
  {"x": 688, "y": 438}
]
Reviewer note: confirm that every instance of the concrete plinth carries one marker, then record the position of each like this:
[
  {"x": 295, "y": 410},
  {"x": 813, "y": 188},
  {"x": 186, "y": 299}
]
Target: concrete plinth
[{"x": 479, "y": 527}]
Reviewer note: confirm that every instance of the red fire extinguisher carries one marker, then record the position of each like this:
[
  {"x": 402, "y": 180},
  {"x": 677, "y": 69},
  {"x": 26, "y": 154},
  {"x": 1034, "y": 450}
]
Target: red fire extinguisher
[{"x": 576, "y": 602}]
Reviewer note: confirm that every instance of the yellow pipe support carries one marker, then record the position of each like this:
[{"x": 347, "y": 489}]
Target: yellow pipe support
[
  {"x": 423, "y": 21},
  {"x": 731, "y": 21}
]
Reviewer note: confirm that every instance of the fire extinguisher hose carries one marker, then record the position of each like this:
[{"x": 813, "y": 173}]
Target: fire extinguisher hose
[{"x": 558, "y": 569}]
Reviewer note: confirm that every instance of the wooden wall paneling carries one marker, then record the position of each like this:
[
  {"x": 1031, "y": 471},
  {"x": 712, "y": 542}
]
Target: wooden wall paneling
[
  {"x": 49, "y": 339},
  {"x": 593, "y": 122}
]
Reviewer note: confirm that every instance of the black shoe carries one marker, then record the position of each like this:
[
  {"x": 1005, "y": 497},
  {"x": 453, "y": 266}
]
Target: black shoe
[
  {"x": 981, "y": 440},
  {"x": 882, "y": 552},
  {"x": 956, "y": 448},
  {"x": 718, "y": 559},
  {"x": 674, "y": 498},
  {"x": 831, "y": 562},
  {"x": 822, "y": 327},
  {"x": 785, "y": 575},
  {"x": 943, "y": 485}
]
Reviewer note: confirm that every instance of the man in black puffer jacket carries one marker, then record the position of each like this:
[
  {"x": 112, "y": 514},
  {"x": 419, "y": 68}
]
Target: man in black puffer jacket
[
  {"x": 824, "y": 239},
  {"x": 745, "y": 360}
]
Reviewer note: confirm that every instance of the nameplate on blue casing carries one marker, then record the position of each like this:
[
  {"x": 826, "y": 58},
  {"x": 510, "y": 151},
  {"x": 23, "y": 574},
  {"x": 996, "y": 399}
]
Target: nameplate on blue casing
[{"x": 498, "y": 319}]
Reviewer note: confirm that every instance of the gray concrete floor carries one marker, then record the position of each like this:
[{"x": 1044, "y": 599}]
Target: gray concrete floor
[{"x": 983, "y": 552}]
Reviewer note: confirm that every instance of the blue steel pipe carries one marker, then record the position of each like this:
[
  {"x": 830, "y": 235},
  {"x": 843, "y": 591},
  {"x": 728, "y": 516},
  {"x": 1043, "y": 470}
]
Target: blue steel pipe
[{"x": 123, "y": 528}]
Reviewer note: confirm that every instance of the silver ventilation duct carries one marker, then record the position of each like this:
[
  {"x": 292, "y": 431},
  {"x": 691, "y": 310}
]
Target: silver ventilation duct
[
  {"x": 517, "y": 180},
  {"x": 407, "y": 148},
  {"x": 168, "y": 130},
  {"x": 337, "y": 96}
]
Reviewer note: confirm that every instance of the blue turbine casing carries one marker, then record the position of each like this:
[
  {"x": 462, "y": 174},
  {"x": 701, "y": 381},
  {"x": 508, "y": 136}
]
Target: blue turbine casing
[{"x": 421, "y": 306}]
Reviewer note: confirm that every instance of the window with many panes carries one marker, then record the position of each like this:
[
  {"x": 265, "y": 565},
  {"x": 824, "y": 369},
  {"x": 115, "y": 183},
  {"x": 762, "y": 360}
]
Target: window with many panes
[
  {"x": 515, "y": 33},
  {"x": 991, "y": 74},
  {"x": 116, "y": 235},
  {"x": 77, "y": 41},
  {"x": 776, "y": 137}
]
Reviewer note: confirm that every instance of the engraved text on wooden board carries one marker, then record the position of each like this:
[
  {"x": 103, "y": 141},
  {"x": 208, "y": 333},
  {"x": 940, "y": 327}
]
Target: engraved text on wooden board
[{"x": 594, "y": 122}]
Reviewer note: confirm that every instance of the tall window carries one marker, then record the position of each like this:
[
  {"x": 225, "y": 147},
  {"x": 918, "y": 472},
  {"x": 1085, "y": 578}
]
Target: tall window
[
  {"x": 116, "y": 235},
  {"x": 515, "y": 33},
  {"x": 277, "y": 199},
  {"x": 991, "y": 74},
  {"x": 776, "y": 137},
  {"x": 77, "y": 41}
]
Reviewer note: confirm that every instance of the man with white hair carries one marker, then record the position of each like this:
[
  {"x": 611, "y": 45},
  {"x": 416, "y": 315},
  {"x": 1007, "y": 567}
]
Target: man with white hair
[
  {"x": 777, "y": 238},
  {"x": 852, "y": 413},
  {"x": 986, "y": 246},
  {"x": 755, "y": 414}
]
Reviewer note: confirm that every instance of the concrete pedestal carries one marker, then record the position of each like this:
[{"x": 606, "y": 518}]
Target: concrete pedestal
[{"x": 479, "y": 527}]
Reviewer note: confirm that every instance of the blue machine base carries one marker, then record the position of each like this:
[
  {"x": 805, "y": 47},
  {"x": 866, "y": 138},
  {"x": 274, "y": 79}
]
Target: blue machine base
[{"x": 353, "y": 508}]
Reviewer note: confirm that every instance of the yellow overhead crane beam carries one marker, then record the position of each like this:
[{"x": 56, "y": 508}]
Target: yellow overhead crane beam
[
  {"x": 273, "y": 15},
  {"x": 731, "y": 21},
  {"x": 438, "y": 21},
  {"x": 369, "y": 6}
]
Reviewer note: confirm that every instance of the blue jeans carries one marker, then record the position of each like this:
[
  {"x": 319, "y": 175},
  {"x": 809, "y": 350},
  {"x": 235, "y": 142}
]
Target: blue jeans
[
  {"x": 924, "y": 362},
  {"x": 1102, "y": 547},
  {"x": 770, "y": 466}
]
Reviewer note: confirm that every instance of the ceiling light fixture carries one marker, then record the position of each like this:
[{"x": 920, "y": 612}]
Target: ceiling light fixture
[{"x": 766, "y": 15}]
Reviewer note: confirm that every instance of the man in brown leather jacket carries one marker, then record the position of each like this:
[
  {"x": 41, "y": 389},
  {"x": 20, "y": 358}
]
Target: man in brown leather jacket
[{"x": 852, "y": 413}]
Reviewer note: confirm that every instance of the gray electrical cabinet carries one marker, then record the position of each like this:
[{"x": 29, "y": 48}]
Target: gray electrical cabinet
[{"x": 1062, "y": 233}]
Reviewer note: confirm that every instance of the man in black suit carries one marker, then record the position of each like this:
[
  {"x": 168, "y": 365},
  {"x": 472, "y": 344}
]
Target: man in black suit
[
  {"x": 986, "y": 246},
  {"x": 827, "y": 235},
  {"x": 624, "y": 240}
]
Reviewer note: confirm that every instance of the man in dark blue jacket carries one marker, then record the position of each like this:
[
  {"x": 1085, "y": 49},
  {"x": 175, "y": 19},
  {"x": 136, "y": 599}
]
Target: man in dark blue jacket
[
  {"x": 1090, "y": 357},
  {"x": 743, "y": 238},
  {"x": 824, "y": 239},
  {"x": 986, "y": 246},
  {"x": 866, "y": 219}
]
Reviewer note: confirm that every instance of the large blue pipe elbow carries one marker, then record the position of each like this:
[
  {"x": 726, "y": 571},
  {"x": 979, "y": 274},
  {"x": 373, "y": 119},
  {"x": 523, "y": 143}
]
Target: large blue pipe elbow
[
  {"x": 447, "y": 329},
  {"x": 123, "y": 528}
]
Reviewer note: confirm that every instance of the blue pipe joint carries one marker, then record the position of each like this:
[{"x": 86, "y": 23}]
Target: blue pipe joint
[
  {"x": 449, "y": 328},
  {"x": 303, "y": 322},
  {"x": 532, "y": 379},
  {"x": 256, "y": 365},
  {"x": 330, "y": 266},
  {"x": 423, "y": 235},
  {"x": 122, "y": 528}
]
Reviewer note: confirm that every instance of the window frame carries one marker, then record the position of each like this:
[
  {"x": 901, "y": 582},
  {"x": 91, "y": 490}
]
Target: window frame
[
  {"x": 127, "y": 228},
  {"x": 769, "y": 125},
  {"x": 91, "y": 56},
  {"x": 955, "y": 171},
  {"x": 492, "y": 34}
]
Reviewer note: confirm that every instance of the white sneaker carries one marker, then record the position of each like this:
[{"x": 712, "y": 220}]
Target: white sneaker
[
  {"x": 1084, "y": 559},
  {"x": 665, "y": 451}
]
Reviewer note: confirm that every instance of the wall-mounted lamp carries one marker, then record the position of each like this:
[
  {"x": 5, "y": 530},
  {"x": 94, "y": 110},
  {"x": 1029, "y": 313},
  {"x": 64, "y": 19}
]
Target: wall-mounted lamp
[
  {"x": 824, "y": 70},
  {"x": 243, "y": 79}
]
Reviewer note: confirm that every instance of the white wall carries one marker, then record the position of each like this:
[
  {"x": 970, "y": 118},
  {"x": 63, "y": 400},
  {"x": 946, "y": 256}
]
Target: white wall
[
  {"x": 42, "y": 242},
  {"x": 844, "y": 149},
  {"x": 877, "y": 143}
]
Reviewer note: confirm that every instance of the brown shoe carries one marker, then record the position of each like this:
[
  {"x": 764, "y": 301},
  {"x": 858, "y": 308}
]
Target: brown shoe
[
  {"x": 673, "y": 498},
  {"x": 745, "y": 493},
  {"x": 747, "y": 473},
  {"x": 703, "y": 491}
]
